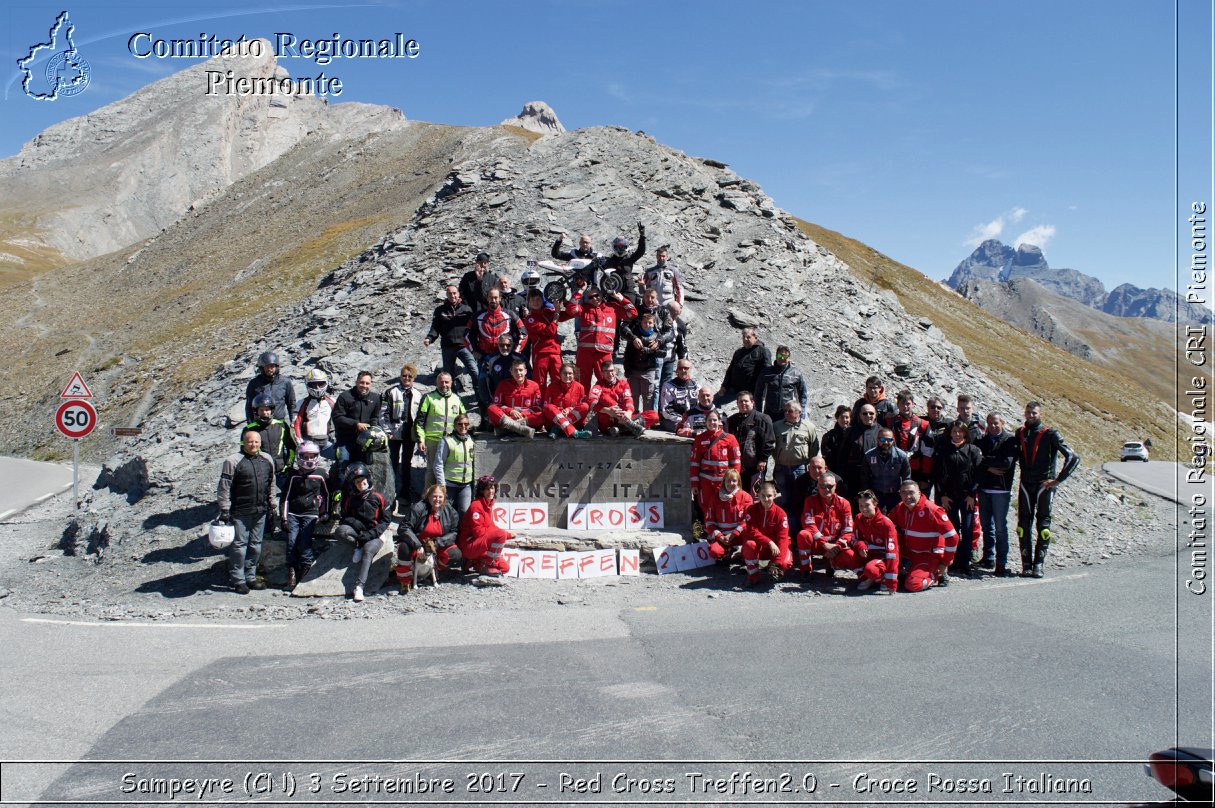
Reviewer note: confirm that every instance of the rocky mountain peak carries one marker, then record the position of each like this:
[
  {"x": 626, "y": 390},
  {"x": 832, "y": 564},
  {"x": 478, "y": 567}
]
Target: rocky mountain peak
[
  {"x": 1030, "y": 255},
  {"x": 537, "y": 116},
  {"x": 138, "y": 165},
  {"x": 987, "y": 263}
]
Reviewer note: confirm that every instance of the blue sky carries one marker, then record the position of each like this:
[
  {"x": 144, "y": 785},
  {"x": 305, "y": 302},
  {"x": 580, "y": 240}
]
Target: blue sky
[{"x": 917, "y": 128}]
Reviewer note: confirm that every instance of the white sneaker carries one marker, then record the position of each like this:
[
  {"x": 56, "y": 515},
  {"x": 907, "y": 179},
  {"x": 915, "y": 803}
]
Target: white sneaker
[
  {"x": 358, "y": 594},
  {"x": 358, "y": 555},
  {"x": 865, "y": 585}
]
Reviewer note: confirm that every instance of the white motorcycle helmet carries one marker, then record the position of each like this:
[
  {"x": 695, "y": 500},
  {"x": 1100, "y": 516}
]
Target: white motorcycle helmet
[
  {"x": 309, "y": 456},
  {"x": 221, "y": 534},
  {"x": 317, "y": 382},
  {"x": 530, "y": 278}
]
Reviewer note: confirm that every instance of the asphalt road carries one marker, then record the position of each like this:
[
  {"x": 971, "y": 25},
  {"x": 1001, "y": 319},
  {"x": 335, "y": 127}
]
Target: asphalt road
[
  {"x": 27, "y": 482},
  {"x": 1170, "y": 480},
  {"x": 1107, "y": 663}
]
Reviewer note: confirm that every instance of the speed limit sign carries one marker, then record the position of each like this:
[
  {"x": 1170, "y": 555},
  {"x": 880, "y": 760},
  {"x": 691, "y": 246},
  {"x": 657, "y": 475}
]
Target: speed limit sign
[{"x": 75, "y": 418}]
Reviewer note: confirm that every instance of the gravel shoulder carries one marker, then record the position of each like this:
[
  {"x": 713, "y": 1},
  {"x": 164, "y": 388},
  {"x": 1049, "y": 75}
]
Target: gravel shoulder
[{"x": 168, "y": 573}]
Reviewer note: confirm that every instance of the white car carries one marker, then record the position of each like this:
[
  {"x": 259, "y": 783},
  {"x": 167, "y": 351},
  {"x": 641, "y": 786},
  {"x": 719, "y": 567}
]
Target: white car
[{"x": 1134, "y": 450}]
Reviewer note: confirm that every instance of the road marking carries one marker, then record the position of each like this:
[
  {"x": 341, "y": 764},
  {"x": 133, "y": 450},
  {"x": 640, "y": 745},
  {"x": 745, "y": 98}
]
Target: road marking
[
  {"x": 645, "y": 608},
  {"x": 129, "y": 624},
  {"x": 45, "y": 496},
  {"x": 66, "y": 485},
  {"x": 8, "y": 513}
]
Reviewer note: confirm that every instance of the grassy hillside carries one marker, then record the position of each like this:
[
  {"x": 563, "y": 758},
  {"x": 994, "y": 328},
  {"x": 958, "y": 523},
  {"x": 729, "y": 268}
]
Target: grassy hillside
[{"x": 1096, "y": 408}]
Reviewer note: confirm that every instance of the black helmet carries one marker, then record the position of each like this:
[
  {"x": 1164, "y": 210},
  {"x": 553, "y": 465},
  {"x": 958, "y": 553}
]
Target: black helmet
[
  {"x": 355, "y": 471},
  {"x": 267, "y": 358},
  {"x": 262, "y": 400}
]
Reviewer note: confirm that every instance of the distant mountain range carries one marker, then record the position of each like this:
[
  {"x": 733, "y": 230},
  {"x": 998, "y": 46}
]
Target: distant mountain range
[{"x": 994, "y": 261}]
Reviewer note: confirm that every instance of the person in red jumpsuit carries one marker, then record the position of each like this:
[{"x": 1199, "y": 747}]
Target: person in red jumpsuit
[
  {"x": 826, "y": 526},
  {"x": 597, "y": 321},
  {"x": 765, "y": 537},
  {"x": 480, "y": 540},
  {"x": 713, "y": 452},
  {"x": 611, "y": 401},
  {"x": 516, "y": 405},
  {"x": 724, "y": 514},
  {"x": 924, "y": 531},
  {"x": 565, "y": 405},
  {"x": 874, "y": 551},
  {"x": 541, "y": 324}
]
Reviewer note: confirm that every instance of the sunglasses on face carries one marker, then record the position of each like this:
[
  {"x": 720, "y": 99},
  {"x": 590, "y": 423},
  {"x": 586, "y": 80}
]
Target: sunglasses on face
[{"x": 885, "y": 440}]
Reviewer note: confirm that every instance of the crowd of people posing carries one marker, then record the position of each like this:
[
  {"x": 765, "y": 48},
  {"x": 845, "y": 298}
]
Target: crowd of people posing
[{"x": 884, "y": 492}]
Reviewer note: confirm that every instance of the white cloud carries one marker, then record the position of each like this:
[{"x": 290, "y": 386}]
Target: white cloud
[
  {"x": 1038, "y": 236},
  {"x": 993, "y": 229}
]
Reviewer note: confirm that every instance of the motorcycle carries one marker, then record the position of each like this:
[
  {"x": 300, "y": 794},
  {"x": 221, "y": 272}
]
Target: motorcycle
[
  {"x": 577, "y": 274},
  {"x": 1184, "y": 769}
]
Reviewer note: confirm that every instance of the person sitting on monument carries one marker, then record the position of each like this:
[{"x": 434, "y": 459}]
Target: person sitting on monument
[
  {"x": 364, "y": 518},
  {"x": 429, "y": 528},
  {"x": 496, "y": 369},
  {"x": 565, "y": 405},
  {"x": 516, "y": 406},
  {"x": 480, "y": 540},
  {"x": 724, "y": 517},
  {"x": 611, "y": 401}
]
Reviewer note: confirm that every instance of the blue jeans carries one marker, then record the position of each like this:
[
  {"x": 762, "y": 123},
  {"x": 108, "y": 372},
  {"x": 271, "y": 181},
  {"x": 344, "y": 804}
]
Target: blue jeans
[
  {"x": 785, "y": 478},
  {"x": 993, "y": 519},
  {"x": 299, "y": 539},
  {"x": 460, "y": 496},
  {"x": 451, "y": 353},
  {"x": 963, "y": 519},
  {"x": 246, "y": 549}
]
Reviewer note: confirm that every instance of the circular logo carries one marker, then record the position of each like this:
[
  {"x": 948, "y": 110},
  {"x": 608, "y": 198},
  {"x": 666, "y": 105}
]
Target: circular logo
[
  {"x": 75, "y": 418},
  {"x": 69, "y": 72}
]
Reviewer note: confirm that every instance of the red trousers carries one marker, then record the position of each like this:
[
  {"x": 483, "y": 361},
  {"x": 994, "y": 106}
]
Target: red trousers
[
  {"x": 546, "y": 368},
  {"x": 533, "y": 419},
  {"x": 722, "y": 551},
  {"x": 808, "y": 546},
  {"x": 754, "y": 551},
  {"x": 649, "y": 417},
  {"x": 922, "y": 572},
  {"x": 556, "y": 421},
  {"x": 588, "y": 361}
]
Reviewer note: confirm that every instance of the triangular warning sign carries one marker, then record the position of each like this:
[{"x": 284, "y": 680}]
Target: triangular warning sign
[{"x": 76, "y": 388}]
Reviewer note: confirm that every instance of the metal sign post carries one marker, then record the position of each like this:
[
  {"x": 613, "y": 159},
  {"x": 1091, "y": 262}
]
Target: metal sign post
[{"x": 76, "y": 472}]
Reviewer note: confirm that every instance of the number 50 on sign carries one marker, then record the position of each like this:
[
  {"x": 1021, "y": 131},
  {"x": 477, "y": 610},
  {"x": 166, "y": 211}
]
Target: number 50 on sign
[{"x": 75, "y": 418}]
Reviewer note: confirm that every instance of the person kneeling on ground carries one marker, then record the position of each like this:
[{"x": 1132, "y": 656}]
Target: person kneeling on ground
[
  {"x": 429, "y": 529},
  {"x": 924, "y": 534},
  {"x": 826, "y": 526},
  {"x": 364, "y": 519},
  {"x": 481, "y": 541},
  {"x": 724, "y": 517},
  {"x": 874, "y": 551},
  {"x": 766, "y": 537}
]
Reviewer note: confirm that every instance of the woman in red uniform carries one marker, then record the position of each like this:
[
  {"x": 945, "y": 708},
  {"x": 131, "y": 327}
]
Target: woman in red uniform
[
  {"x": 713, "y": 452},
  {"x": 480, "y": 540},
  {"x": 874, "y": 550},
  {"x": 766, "y": 537},
  {"x": 724, "y": 514},
  {"x": 565, "y": 405}
]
